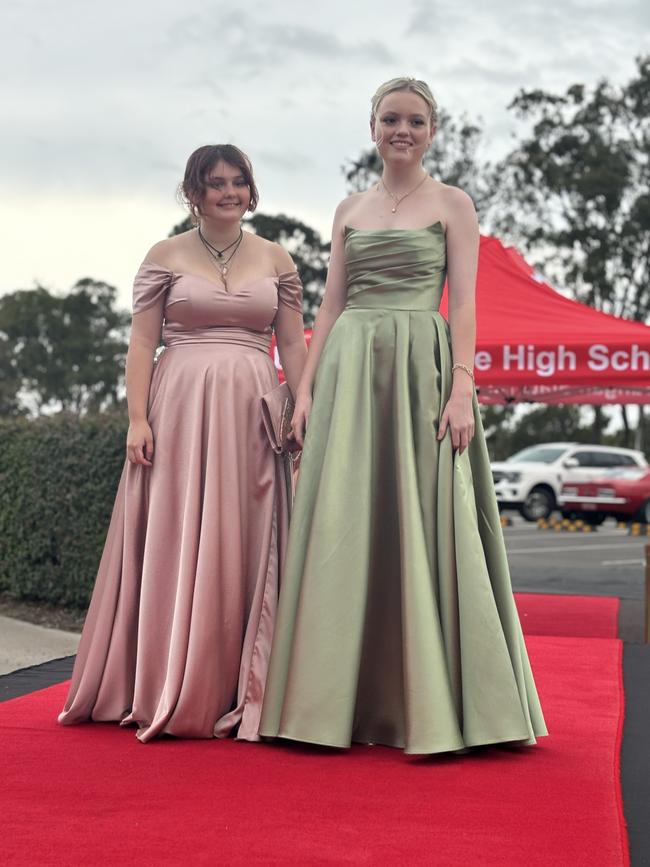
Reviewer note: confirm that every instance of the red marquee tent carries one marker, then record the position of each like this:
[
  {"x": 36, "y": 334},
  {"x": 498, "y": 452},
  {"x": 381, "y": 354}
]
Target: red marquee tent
[{"x": 533, "y": 344}]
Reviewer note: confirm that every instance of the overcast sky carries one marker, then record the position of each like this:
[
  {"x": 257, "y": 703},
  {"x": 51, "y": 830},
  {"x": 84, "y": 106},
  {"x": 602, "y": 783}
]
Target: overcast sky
[{"x": 102, "y": 103}]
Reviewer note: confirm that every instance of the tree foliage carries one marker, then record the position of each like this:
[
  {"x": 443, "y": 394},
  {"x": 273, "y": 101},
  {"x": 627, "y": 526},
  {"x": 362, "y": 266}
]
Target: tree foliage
[
  {"x": 576, "y": 190},
  {"x": 61, "y": 351},
  {"x": 507, "y": 430}
]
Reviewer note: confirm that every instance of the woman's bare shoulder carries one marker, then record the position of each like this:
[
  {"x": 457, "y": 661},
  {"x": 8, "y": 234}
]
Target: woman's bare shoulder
[
  {"x": 259, "y": 243},
  {"x": 165, "y": 252},
  {"x": 282, "y": 261},
  {"x": 351, "y": 202},
  {"x": 345, "y": 210},
  {"x": 454, "y": 198}
]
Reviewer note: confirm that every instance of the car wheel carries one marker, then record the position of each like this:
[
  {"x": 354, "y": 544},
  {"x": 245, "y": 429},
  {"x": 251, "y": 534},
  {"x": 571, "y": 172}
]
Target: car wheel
[
  {"x": 539, "y": 503},
  {"x": 644, "y": 512}
]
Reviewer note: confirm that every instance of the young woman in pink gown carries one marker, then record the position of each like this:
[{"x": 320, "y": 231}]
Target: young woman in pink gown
[{"x": 179, "y": 629}]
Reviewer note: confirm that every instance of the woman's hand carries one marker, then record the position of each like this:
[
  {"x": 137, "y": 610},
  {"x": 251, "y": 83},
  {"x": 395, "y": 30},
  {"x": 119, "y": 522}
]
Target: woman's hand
[
  {"x": 458, "y": 415},
  {"x": 139, "y": 443},
  {"x": 300, "y": 418}
]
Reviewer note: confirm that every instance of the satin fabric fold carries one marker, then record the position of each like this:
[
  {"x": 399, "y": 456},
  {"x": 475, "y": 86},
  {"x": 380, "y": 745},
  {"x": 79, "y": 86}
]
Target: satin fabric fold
[{"x": 396, "y": 623}]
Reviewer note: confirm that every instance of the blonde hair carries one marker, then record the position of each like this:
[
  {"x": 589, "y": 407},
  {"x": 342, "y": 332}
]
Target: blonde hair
[{"x": 414, "y": 85}]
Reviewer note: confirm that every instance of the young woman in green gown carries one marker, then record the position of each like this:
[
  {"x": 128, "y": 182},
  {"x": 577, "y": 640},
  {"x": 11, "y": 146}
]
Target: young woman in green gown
[{"x": 397, "y": 623}]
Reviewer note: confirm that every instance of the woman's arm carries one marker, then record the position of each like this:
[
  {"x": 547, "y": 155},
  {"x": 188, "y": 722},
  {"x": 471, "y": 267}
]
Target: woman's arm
[
  {"x": 330, "y": 310},
  {"x": 289, "y": 329},
  {"x": 462, "y": 261},
  {"x": 145, "y": 337}
]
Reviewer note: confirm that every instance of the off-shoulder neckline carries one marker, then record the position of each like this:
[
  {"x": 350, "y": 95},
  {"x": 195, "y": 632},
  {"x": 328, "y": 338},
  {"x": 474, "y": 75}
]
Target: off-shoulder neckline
[
  {"x": 437, "y": 224},
  {"x": 275, "y": 277}
]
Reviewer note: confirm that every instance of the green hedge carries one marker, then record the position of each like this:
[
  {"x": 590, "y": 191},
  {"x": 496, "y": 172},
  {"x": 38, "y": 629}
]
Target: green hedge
[{"x": 58, "y": 478}]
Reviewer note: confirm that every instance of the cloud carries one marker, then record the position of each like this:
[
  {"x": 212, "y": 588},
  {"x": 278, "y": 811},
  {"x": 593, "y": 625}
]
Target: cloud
[
  {"x": 427, "y": 18},
  {"x": 474, "y": 73},
  {"x": 249, "y": 43},
  {"x": 286, "y": 161},
  {"x": 105, "y": 109}
]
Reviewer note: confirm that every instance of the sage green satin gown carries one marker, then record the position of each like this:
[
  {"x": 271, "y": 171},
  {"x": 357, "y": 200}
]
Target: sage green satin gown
[{"x": 397, "y": 623}]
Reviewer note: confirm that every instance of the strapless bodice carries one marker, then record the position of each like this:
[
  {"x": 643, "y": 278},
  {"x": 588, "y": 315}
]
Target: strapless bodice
[{"x": 395, "y": 269}]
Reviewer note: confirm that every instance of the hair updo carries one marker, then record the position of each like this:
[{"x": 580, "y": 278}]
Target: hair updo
[
  {"x": 193, "y": 187},
  {"x": 414, "y": 85}
]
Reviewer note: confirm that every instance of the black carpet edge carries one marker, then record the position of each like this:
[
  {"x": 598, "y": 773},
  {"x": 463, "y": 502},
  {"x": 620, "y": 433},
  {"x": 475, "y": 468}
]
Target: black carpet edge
[
  {"x": 35, "y": 677},
  {"x": 635, "y": 751}
]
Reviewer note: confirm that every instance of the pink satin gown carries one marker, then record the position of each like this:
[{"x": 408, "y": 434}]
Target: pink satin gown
[{"x": 178, "y": 633}]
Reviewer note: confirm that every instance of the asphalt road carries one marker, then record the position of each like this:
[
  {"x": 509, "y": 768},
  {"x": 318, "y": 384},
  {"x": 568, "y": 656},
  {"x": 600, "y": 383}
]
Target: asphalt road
[{"x": 605, "y": 562}]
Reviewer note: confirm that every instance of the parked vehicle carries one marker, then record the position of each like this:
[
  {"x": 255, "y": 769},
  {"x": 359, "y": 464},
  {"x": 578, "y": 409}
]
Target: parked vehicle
[
  {"x": 622, "y": 493},
  {"x": 530, "y": 480}
]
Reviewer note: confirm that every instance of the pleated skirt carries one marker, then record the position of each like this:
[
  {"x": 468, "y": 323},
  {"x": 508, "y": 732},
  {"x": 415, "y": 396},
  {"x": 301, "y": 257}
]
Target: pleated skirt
[
  {"x": 178, "y": 633},
  {"x": 397, "y": 624}
]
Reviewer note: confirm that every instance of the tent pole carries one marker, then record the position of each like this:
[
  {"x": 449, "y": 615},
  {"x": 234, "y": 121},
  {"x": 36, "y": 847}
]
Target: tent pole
[
  {"x": 638, "y": 433},
  {"x": 646, "y": 630}
]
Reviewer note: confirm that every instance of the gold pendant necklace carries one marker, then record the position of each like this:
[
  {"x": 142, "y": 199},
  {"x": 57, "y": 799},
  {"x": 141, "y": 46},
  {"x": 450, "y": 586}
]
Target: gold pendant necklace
[{"x": 398, "y": 200}]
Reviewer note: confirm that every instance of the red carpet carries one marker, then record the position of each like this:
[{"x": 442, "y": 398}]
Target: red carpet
[
  {"x": 578, "y": 616},
  {"x": 94, "y": 795}
]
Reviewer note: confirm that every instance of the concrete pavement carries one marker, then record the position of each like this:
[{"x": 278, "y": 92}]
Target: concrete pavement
[{"x": 23, "y": 644}]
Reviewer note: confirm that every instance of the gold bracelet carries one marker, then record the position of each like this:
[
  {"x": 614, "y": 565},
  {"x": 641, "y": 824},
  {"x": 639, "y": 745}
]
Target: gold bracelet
[{"x": 457, "y": 365}]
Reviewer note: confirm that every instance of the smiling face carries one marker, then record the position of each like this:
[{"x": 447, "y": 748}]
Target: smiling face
[
  {"x": 227, "y": 195},
  {"x": 401, "y": 127},
  {"x": 219, "y": 181}
]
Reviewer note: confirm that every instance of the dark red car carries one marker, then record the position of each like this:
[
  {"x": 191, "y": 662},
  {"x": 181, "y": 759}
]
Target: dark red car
[{"x": 623, "y": 493}]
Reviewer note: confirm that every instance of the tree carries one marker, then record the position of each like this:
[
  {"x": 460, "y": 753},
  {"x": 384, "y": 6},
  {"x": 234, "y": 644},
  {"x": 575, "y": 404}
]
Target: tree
[
  {"x": 305, "y": 245},
  {"x": 455, "y": 157},
  {"x": 61, "y": 351},
  {"x": 576, "y": 190},
  {"x": 575, "y": 193},
  {"x": 508, "y": 432}
]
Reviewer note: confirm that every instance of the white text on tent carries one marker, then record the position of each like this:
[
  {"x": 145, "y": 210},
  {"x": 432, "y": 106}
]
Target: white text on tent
[{"x": 549, "y": 361}]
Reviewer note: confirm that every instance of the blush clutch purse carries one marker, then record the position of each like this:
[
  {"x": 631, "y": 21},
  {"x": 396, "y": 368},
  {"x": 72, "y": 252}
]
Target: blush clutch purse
[{"x": 277, "y": 411}]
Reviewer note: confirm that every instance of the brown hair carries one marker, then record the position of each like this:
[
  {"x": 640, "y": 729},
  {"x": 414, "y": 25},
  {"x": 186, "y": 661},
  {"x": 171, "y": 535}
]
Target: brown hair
[{"x": 193, "y": 187}]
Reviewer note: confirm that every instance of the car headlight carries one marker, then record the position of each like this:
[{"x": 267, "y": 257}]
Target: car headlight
[{"x": 512, "y": 477}]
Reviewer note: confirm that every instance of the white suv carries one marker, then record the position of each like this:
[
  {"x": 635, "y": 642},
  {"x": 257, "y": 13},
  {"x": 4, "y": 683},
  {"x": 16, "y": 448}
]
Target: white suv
[{"x": 530, "y": 480}]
